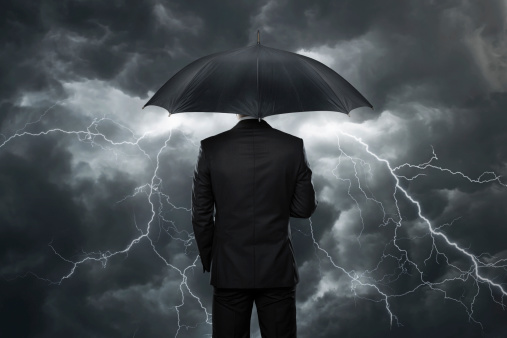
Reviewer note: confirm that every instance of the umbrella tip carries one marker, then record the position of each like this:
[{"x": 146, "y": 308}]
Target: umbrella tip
[
  {"x": 169, "y": 115},
  {"x": 258, "y": 37}
]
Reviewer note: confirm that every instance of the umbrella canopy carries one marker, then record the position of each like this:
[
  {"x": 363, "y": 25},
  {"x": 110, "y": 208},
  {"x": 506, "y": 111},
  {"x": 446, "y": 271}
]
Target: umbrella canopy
[{"x": 257, "y": 81}]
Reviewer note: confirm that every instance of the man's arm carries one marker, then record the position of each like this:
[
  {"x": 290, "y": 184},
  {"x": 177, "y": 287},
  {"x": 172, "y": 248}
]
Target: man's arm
[
  {"x": 202, "y": 209},
  {"x": 304, "y": 201}
]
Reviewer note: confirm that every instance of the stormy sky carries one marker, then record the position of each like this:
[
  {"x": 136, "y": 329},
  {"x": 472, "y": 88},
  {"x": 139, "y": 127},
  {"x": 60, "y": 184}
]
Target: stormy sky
[{"x": 408, "y": 239}]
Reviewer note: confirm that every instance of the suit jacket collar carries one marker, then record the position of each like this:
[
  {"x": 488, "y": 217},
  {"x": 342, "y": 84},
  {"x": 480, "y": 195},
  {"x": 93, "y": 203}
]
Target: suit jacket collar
[{"x": 251, "y": 123}]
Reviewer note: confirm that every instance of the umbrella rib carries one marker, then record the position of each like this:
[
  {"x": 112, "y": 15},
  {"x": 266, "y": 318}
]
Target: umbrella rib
[
  {"x": 258, "y": 96},
  {"x": 294, "y": 87},
  {"x": 325, "y": 82},
  {"x": 199, "y": 72}
]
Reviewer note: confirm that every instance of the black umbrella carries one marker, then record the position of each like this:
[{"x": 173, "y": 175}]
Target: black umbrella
[{"x": 258, "y": 81}]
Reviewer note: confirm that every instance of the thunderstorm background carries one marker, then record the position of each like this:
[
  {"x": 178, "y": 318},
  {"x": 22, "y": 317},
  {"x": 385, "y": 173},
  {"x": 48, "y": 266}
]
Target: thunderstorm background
[{"x": 408, "y": 239}]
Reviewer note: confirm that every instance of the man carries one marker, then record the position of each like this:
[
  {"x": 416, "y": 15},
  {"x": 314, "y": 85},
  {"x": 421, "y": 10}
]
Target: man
[{"x": 247, "y": 182}]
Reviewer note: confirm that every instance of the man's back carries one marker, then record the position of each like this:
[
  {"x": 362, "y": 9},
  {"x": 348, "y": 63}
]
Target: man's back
[{"x": 255, "y": 177}]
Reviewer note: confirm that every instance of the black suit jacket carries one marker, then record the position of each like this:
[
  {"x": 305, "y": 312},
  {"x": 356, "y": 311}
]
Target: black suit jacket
[{"x": 248, "y": 182}]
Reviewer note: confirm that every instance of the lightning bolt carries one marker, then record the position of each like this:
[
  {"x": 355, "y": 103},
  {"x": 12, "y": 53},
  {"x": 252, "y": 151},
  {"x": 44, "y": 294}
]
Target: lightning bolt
[
  {"x": 403, "y": 258},
  {"x": 362, "y": 282},
  {"x": 154, "y": 196}
]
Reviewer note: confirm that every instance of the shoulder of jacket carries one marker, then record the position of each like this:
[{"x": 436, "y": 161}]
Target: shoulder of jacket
[
  {"x": 211, "y": 142},
  {"x": 287, "y": 135},
  {"x": 213, "y": 138},
  {"x": 296, "y": 143},
  {"x": 223, "y": 136}
]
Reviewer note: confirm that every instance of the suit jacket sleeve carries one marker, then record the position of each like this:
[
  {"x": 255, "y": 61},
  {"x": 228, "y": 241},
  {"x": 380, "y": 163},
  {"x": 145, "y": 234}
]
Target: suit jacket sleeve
[
  {"x": 202, "y": 209},
  {"x": 304, "y": 201}
]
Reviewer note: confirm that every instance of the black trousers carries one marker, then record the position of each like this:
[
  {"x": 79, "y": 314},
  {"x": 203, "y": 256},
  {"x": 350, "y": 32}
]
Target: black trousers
[{"x": 276, "y": 310}]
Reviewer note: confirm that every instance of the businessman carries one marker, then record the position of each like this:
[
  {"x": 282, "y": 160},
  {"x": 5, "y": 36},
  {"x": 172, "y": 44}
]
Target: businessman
[{"x": 248, "y": 182}]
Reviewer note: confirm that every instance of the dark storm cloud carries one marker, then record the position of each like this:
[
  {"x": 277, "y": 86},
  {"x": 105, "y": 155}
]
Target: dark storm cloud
[
  {"x": 39, "y": 208},
  {"x": 137, "y": 44},
  {"x": 438, "y": 67}
]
